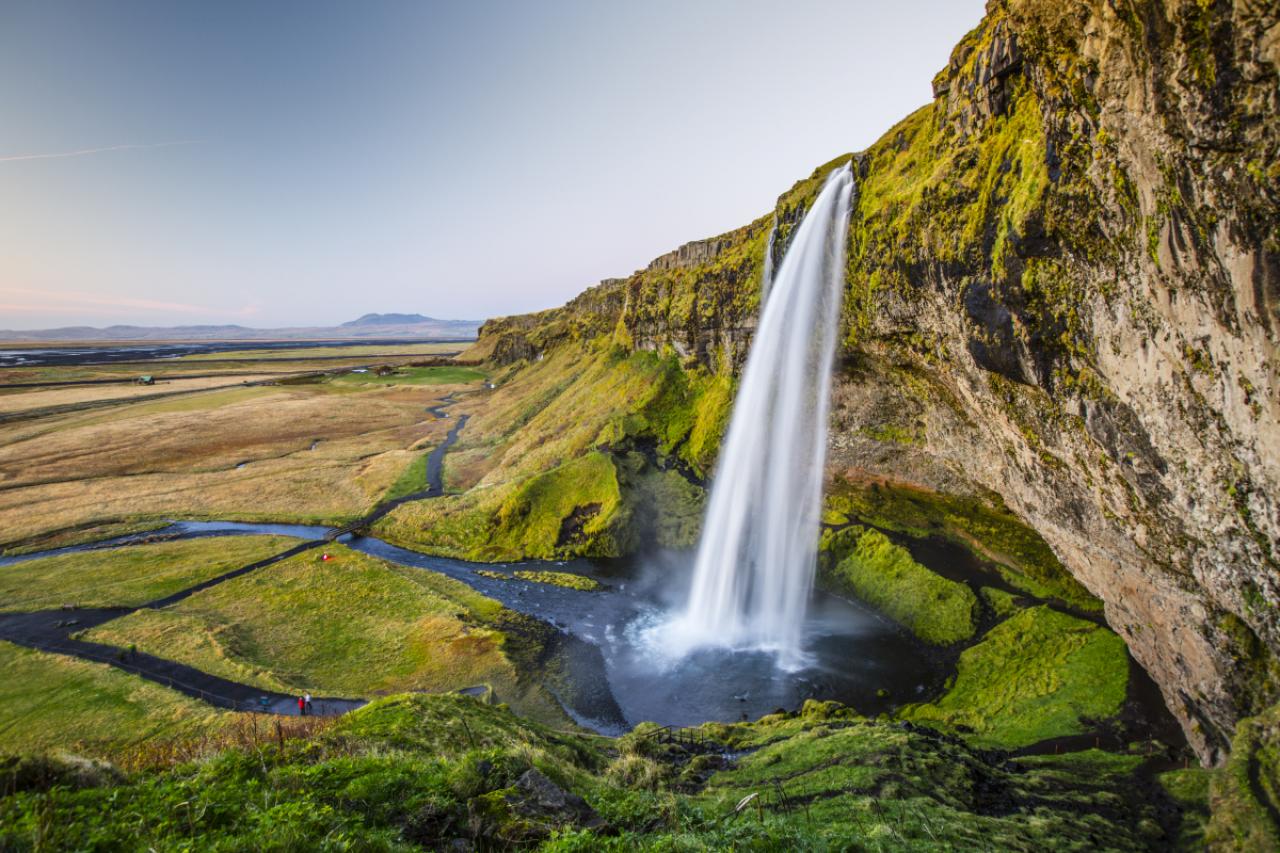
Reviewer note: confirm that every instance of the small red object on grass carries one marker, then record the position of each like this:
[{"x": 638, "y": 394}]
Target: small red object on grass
[{"x": 324, "y": 558}]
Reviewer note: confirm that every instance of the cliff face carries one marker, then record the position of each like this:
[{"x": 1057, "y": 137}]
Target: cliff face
[
  {"x": 1074, "y": 252},
  {"x": 1063, "y": 289}
]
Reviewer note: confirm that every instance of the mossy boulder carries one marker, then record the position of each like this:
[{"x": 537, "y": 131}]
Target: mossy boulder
[
  {"x": 1245, "y": 794},
  {"x": 882, "y": 574},
  {"x": 1038, "y": 675}
]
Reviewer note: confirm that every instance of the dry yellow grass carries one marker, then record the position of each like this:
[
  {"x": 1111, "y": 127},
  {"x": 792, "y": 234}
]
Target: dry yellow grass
[
  {"x": 362, "y": 351},
  {"x": 26, "y": 401},
  {"x": 180, "y": 457}
]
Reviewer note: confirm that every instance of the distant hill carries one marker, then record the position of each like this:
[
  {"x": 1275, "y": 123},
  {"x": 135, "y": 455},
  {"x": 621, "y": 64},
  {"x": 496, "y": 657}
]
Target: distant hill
[
  {"x": 380, "y": 326},
  {"x": 390, "y": 320}
]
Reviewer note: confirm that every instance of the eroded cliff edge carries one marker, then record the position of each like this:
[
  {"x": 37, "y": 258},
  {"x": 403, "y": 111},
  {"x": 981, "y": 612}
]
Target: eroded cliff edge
[{"x": 1064, "y": 290}]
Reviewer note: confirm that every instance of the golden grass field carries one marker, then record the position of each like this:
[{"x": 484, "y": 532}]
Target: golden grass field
[
  {"x": 25, "y": 401},
  {"x": 313, "y": 452}
]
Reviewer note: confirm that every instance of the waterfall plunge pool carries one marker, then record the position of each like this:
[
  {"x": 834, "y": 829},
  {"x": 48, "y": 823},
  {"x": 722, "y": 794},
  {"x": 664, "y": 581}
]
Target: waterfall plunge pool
[{"x": 613, "y": 674}]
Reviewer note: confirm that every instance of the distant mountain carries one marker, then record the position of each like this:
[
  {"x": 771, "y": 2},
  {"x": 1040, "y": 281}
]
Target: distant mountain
[
  {"x": 374, "y": 326},
  {"x": 390, "y": 320}
]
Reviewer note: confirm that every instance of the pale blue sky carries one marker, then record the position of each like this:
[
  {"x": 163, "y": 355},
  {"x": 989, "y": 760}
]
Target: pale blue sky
[{"x": 299, "y": 163}]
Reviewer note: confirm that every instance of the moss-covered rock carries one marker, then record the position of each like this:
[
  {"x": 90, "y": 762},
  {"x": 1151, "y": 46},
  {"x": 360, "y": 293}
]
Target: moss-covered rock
[
  {"x": 1002, "y": 604},
  {"x": 1245, "y": 794},
  {"x": 564, "y": 579},
  {"x": 882, "y": 574},
  {"x": 1038, "y": 675},
  {"x": 446, "y": 772},
  {"x": 987, "y": 527}
]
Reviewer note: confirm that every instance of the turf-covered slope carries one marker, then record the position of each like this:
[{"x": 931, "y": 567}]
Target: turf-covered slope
[
  {"x": 1063, "y": 285},
  {"x": 451, "y": 773}
]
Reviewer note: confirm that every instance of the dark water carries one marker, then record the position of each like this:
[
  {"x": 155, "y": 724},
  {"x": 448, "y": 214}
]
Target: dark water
[
  {"x": 609, "y": 668},
  {"x": 72, "y": 354}
]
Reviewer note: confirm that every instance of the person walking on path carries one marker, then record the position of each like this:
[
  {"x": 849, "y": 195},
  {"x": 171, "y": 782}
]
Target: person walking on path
[
  {"x": 307, "y": 700},
  {"x": 302, "y": 707}
]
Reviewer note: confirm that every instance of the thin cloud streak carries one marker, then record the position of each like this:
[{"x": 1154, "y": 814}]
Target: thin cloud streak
[
  {"x": 65, "y": 301},
  {"x": 59, "y": 155}
]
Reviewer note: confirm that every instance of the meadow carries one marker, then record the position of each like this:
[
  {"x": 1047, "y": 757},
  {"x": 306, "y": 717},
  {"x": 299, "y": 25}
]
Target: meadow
[
  {"x": 321, "y": 448},
  {"x": 128, "y": 576},
  {"x": 352, "y": 626},
  {"x": 54, "y": 702}
]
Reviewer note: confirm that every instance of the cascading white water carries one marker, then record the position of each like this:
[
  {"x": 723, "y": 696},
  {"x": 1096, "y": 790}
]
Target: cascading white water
[{"x": 756, "y": 558}]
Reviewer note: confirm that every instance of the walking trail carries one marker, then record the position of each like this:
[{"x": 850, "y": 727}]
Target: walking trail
[{"x": 54, "y": 630}]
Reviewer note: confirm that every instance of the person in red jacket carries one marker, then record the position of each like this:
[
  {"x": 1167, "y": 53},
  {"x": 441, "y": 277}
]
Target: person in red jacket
[{"x": 302, "y": 707}]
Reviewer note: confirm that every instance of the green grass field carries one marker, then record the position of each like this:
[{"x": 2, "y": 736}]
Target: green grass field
[
  {"x": 55, "y": 702},
  {"x": 352, "y": 626},
  {"x": 416, "y": 376},
  {"x": 129, "y": 576},
  {"x": 413, "y": 479}
]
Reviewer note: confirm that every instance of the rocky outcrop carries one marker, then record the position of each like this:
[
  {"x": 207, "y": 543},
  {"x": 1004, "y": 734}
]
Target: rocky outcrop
[
  {"x": 692, "y": 254},
  {"x": 1083, "y": 293},
  {"x": 1064, "y": 285}
]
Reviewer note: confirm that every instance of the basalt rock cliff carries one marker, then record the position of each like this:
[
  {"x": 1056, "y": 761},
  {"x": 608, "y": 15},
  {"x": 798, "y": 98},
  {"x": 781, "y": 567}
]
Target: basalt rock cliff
[{"x": 1063, "y": 294}]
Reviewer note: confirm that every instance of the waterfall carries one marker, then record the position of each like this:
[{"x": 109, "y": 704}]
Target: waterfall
[{"x": 756, "y": 558}]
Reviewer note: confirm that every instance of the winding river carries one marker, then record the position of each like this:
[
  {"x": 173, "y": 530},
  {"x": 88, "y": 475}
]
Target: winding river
[{"x": 610, "y": 677}]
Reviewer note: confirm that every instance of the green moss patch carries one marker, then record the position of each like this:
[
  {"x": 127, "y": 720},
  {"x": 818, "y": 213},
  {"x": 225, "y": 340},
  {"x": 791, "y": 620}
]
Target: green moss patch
[
  {"x": 1189, "y": 788},
  {"x": 1039, "y": 674},
  {"x": 937, "y": 610},
  {"x": 564, "y": 579},
  {"x": 1024, "y": 559},
  {"x": 666, "y": 508},
  {"x": 1002, "y": 604},
  {"x": 1245, "y": 794}
]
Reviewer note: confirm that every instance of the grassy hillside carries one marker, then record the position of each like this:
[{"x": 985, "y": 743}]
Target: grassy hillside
[
  {"x": 426, "y": 772},
  {"x": 566, "y": 456}
]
